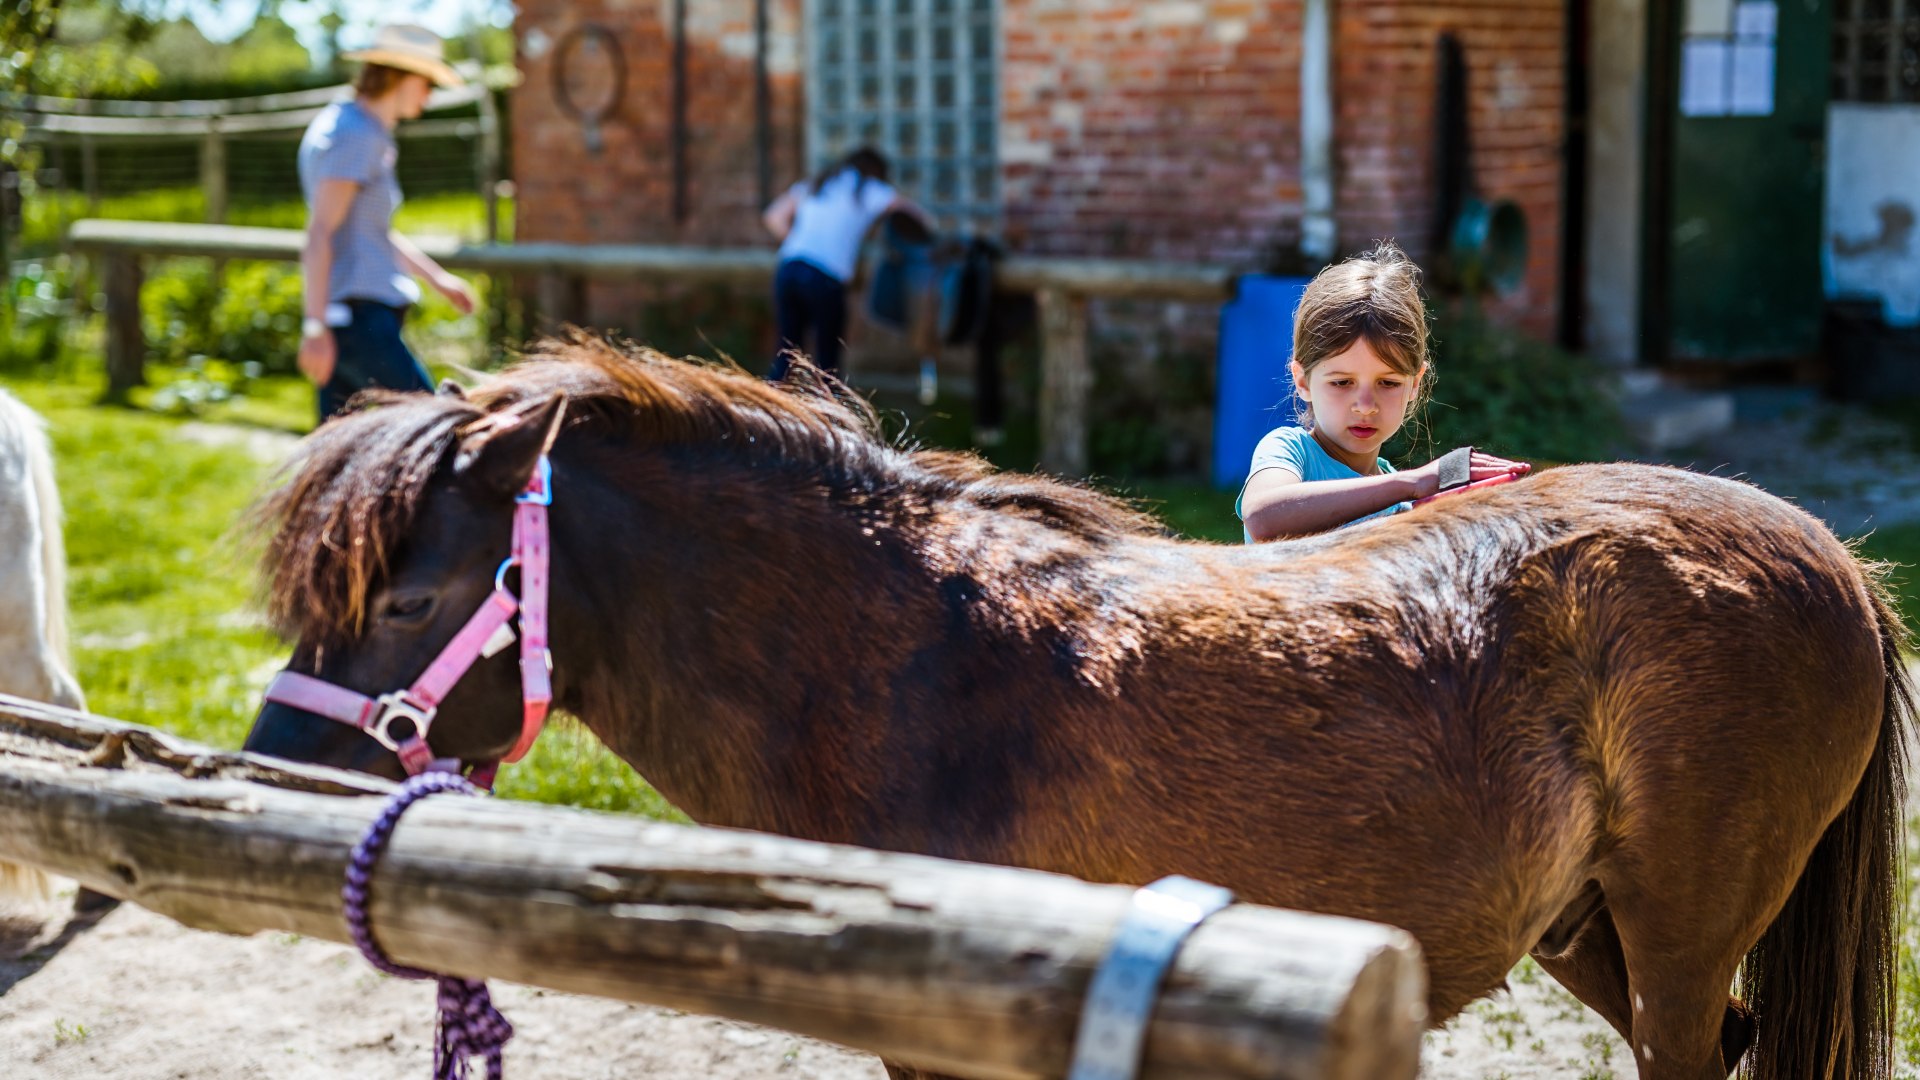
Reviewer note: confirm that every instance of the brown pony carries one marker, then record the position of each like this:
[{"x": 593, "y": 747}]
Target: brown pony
[{"x": 1643, "y": 724}]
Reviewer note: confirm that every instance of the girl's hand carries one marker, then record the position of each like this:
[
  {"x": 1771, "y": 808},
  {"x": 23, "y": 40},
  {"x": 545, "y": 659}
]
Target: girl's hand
[
  {"x": 458, "y": 293},
  {"x": 317, "y": 357},
  {"x": 1481, "y": 466}
]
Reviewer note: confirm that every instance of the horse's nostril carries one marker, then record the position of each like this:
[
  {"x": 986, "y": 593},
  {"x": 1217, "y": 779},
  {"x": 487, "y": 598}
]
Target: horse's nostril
[{"x": 125, "y": 873}]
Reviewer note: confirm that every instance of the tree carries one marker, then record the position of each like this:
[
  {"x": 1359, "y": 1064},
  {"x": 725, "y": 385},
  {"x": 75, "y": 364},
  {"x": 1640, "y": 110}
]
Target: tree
[{"x": 26, "y": 26}]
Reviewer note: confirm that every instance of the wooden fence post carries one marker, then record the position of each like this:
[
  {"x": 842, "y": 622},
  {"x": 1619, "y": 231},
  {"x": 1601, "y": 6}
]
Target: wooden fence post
[
  {"x": 126, "y": 342},
  {"x": 213, "y": 171},
  {"x": 563, "y": 300},
  {"x": 89, "y": 173},
  {"x": 1066, "y": 382},
  {"x": 487, "y": 164}
]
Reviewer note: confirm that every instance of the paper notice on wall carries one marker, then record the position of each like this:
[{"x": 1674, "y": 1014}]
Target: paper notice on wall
[
  {"x": 1750, "y": 91},
  {"x": 1704, "y": 89},
  {"x": 1706, "y": 17}
]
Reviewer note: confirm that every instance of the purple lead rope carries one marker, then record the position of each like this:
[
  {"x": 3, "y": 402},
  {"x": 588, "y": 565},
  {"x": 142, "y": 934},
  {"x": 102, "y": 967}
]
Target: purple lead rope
[{"x": 469, "y": 1026}]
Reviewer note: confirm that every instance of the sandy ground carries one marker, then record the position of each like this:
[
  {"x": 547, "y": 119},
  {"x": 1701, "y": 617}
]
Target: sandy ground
[
  {"x": 137, "y": 996},
  {"x": 133, "y": 996}
]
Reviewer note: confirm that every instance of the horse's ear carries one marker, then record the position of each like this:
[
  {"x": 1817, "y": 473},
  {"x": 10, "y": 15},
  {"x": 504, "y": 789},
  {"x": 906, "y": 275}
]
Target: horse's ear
[
  {"x": 449, "y": 388},
  {"x": 499, "y": 454}
]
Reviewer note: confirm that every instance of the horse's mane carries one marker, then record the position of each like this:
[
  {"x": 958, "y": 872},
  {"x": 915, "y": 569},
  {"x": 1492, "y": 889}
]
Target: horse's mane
[{"x": 348, "y": 496}]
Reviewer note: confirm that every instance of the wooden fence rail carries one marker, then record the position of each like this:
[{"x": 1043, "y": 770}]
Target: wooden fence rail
[
  {"x": 971, "y": 970},
  {"x": 1063, "y": 286}
]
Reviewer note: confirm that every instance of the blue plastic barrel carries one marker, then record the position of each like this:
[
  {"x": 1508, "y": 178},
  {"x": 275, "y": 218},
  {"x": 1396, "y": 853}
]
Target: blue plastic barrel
[{"x": 1255, "y": 390}]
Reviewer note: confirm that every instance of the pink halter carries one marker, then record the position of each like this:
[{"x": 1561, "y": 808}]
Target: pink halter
[{"x": 485, "y": 634}]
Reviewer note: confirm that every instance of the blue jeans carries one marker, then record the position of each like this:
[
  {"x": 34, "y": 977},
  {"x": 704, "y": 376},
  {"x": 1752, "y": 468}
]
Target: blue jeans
[
  {"x": 368, "y": 352},
  {"x": 808, "y": 302}
]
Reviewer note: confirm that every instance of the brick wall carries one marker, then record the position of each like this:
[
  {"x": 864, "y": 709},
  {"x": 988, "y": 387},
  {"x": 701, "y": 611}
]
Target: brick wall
[
  {"x": 1138, "y": 128},
  {"x": 1132, "y": 128},
  {"x": 1151, "y": 128},
  {"x": 1385, "y": 67},
  {"x": 626, "y": 193}
]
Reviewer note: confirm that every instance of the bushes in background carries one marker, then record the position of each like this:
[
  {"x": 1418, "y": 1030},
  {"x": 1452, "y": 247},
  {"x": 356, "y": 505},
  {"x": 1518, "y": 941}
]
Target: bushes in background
[
  {"x": 1493, "y": 387},
  {"x": 1517, "y": 396}
]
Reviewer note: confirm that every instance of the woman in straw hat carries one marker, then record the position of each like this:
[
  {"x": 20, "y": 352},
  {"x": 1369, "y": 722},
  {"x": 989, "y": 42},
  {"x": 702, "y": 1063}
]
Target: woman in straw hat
[{"x": 359, "y": 272}]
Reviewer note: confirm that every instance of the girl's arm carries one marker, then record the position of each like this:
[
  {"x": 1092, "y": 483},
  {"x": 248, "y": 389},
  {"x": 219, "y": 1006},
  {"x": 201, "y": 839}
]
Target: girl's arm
[
  {"x": 1277, "y": 504},
  {"x": 779, "y": 216}
]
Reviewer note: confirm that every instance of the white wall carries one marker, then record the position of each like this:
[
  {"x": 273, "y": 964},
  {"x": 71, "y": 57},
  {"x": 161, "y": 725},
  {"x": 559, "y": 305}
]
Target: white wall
[
  {"x": 1872, "y": 240},
  {"x": 1616, "y": 155}
]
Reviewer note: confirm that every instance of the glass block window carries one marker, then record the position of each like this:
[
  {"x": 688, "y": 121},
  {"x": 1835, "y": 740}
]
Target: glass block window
[
  {"x": 916, "y": 79},
  {"x": 1876, "y": 50}
]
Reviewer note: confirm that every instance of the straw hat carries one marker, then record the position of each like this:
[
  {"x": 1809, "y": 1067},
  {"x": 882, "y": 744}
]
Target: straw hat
[{"x": 409, "y": 48}]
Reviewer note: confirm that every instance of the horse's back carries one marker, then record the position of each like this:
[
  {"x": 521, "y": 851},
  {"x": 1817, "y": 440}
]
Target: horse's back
[{"x": 1500, "y": 692}]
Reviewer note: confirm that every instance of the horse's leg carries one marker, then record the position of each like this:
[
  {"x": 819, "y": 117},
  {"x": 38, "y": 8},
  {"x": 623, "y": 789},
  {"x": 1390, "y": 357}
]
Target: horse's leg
[
  {"x": 1678, "y": 972},
  {"x": 1593, "y": 969}
]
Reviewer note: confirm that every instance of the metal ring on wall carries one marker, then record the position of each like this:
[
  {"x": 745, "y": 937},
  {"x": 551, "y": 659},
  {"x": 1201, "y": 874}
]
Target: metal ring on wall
[{"x": 589, "y": 119}]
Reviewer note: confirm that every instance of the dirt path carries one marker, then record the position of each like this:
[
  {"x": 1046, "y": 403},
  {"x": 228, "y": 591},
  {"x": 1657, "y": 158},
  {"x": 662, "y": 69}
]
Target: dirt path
[
  {"x": 139, "y": 997},
  {"x": 136, "y": 996}
]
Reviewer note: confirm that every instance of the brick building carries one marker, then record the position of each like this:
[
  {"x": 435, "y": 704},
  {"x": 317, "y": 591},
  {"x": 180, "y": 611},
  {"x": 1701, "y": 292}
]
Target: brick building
[
  {"x": 1139, "y": 128},
  {"x": 1669, "y": 216}
]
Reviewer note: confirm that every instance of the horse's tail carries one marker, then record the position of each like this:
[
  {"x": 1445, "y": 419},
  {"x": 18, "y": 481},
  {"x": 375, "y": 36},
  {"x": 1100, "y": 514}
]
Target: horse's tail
[{"x": 1821, "y": 981}]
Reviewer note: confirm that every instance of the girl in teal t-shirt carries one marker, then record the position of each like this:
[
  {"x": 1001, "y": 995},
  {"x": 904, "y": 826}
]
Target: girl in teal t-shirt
[{"x": 1359, "y": 365}]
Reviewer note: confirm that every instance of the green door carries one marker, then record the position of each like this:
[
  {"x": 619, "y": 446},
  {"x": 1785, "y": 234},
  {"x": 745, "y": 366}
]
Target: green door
[{"x": 1747, "y": 177}]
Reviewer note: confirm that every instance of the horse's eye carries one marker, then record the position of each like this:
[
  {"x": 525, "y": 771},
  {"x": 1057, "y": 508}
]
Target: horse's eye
[{"x": 408, "y": 607}]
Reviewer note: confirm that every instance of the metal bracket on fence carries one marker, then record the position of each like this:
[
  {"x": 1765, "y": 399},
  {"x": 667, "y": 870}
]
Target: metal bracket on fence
[{"x": 1113, "y": 1023}]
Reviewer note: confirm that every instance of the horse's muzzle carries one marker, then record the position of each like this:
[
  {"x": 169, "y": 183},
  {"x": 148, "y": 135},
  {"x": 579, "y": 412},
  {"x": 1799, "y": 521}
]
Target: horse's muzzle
[{"x": 284, "y": 731}]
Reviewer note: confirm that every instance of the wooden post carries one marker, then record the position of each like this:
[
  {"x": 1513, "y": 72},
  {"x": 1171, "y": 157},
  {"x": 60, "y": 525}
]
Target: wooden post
[
  {"x": 486, "y": 149},
  {"x": 213, "y": 171},
  {"x": 562, "y": 299},
  {"x": 489, "y": 165},
  {"x": 963, "y": 969},
  {"x": 1066, "y": 382},
  {"x": 126, "y": 341},
  {"x": 89, "y": 173},
  {"x": 9, "y": 190}
]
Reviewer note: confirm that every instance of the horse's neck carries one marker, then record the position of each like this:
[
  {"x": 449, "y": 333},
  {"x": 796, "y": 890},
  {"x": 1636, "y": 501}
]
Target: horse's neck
[{"x": 769, "y": 647}]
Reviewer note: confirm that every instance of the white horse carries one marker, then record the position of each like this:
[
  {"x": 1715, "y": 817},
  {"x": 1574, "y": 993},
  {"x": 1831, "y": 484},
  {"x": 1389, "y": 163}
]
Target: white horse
[
  {"x": 33, "y": 595},
  {"x": 33, "y": 565}
]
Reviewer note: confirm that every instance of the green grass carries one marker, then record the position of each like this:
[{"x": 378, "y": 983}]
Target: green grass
[
  {"x": 1900, "y": 545},
  {"x": 162, "y": 629},
  {"x": 1190, "y": 507}
]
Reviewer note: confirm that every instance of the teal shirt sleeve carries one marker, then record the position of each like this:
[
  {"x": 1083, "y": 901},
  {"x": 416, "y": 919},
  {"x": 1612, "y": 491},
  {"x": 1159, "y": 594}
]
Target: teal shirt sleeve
[
  {"x": 1282, "y": 448},
  {"x": 1293, "y": 449}
]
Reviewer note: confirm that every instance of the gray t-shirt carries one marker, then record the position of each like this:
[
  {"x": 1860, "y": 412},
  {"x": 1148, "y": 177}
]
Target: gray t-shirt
[
  {"x": 346, "y": 142},
  {"x": 1294, "y": 449}
]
